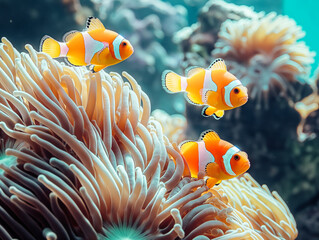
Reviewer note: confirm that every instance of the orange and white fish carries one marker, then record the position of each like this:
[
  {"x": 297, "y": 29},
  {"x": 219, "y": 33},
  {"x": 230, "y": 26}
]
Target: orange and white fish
[
  {"x": 97, "y": 46},
  {"x": 214, "y": 87},
  {"x": 218, "y": 159}
]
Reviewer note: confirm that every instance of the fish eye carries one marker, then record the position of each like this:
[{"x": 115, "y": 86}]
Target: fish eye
[
  {"x": 124, "y": 44},
  {"x": 236, "y": 90},
  {"x": 236, "y": 157}
]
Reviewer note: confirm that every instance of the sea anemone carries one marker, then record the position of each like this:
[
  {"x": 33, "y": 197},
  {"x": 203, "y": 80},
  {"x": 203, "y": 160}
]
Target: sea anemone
[
  {"x": 94, "y": 165},
  {"x": 174, "y": 126},
  {"x": 263, "y": 211},
  {"x": 265, "y": 54}
]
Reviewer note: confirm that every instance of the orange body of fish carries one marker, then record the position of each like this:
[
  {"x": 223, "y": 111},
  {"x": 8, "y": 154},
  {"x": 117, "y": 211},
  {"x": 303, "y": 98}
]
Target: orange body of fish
[
  {"x": 215, "y": 87},
  {"x": 218, "y": 159},
  {"x": 97, "y": 46}
]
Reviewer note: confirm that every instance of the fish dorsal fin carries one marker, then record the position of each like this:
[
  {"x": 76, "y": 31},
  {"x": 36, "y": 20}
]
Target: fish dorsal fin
[
  {"x": 69, "y": 35},
  {"x": 93, "y": 23},
  {"x": 209, "y": 135},
  {"x": 218, "y": 64},
  {"x": 185, "y": 145},
  {"x": 193, "y": 70}
]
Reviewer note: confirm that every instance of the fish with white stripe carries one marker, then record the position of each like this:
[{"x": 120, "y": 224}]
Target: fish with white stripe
[
  {"x": 215, "y": 88},
  {"x": 217, "y": 159},
  {"x": 96, "y": 47}
]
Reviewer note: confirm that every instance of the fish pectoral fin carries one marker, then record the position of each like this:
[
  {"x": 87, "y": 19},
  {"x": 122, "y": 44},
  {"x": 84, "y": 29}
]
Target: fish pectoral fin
[
  {"x": 210, "y": 97},
  {"x": 93, "y": 23},
  {"x": 192, "y": 100},
  {"x": 212, "y": 169},
  {"x": 219, "y": 114},
  {"x": 211, "y": 182},
  {"x": 96, "y": 68},
  {"x": 208, "y": 111}
]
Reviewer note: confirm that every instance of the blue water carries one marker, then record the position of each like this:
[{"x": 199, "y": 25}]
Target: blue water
[{"x": 305, "y": 13}]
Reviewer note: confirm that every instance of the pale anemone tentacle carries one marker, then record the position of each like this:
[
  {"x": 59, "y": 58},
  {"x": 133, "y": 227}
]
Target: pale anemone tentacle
[{"x": 94, "y": 164}]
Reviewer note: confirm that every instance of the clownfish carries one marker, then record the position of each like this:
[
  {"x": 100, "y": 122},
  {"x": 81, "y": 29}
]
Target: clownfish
[
  {"x": 218, "y": 159},
  {"x": 214, "y": 87},
  {"x": 96, "y": 46}
]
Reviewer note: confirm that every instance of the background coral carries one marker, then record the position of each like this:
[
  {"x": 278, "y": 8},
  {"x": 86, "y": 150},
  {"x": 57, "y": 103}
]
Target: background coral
[{"x": 95, "y": 164}]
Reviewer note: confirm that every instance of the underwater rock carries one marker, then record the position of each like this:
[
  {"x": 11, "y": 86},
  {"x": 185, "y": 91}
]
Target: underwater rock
[
  {"x": 309, "y": 221},
  {"x": 96, "y": 165}
]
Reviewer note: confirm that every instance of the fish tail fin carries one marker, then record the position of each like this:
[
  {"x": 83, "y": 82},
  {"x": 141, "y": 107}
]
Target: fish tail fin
[
  {"x": 51, "y": 47},
  {"x": 172, "y": 82}
]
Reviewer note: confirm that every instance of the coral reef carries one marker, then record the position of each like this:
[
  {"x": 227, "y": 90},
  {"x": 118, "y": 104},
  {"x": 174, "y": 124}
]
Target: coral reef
[
  {"x": 95, "y": 165},
  {"x": 174, "y": 126},
  {"x": 150, "y": 27}
]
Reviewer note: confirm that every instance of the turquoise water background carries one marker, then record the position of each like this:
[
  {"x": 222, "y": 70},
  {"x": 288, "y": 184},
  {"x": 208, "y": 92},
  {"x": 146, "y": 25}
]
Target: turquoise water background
[{"x": 306, "y": 15}]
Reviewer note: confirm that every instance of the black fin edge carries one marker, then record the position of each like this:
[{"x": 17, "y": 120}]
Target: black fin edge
[
  {"x": 215, "y": 61},
  {"x": 88, "y": 21},
  {"x": 216, "y": 117},
  {"x": 203, "y": 134},
  {"x": 203, "y": 112}
]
